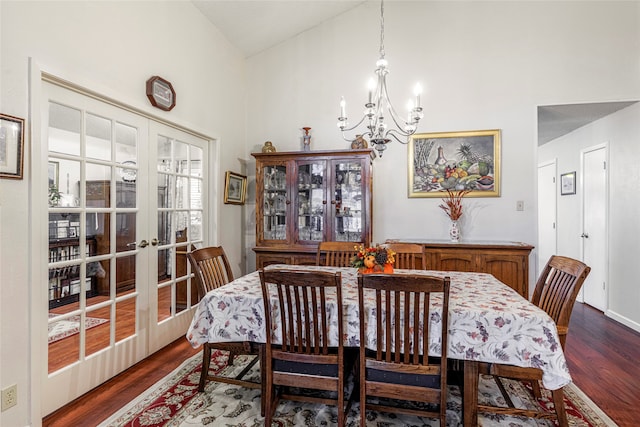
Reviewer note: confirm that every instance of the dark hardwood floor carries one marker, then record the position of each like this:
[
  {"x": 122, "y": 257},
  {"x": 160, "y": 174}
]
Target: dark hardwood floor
[
  {"x": 602, "y": 355},
  {"x": 603, "y": 360}
]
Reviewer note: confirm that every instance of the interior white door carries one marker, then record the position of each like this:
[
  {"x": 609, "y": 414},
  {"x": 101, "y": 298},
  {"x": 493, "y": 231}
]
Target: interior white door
[
  {"x": 547, "y": 198},
  {"x": 97, "y": 288},
  {"x": 594, "y": 230},
  {"x": 179, "y": 175}
]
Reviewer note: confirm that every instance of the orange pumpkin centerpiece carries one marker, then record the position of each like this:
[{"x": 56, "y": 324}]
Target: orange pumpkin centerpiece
[{"x": 376, "y": 259}]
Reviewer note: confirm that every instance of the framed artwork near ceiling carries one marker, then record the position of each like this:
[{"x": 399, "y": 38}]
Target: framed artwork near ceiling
[
  {"x": 11, "y": 146},
  {"x": 568, "y": 183},
  {"x": 464, "y": 160},
  {"x": 235, "y": 188}
]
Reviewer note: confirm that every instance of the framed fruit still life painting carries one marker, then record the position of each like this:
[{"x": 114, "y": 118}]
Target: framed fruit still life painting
[{"x": 455, "y": 161}]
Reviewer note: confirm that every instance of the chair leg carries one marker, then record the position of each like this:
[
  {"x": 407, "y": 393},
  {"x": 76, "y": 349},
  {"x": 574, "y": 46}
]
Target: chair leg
[
  {"x": 535, "y": 386},
  {"x": 341, "y": 411},
  {"x": 363, "y": 395},
  {"x": 268, "y": 398},
  {"x": 558, "y": 403},
  {"x": 206, "y": 361}
]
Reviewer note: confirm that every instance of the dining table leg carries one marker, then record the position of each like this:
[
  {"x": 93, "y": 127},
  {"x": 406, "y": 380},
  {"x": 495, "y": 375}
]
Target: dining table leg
[{"x": 470, "y": 394}]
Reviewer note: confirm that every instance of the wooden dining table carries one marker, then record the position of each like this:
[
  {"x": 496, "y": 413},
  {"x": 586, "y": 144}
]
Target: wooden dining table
[{"x": 488, "y": 322}]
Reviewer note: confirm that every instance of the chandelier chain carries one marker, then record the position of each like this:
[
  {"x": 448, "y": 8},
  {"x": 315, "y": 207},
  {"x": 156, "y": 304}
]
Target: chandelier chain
[{"x": 382, "y": 29}]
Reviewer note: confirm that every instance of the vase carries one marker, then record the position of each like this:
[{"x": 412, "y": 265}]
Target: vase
[{"x": 454, "y": 232}]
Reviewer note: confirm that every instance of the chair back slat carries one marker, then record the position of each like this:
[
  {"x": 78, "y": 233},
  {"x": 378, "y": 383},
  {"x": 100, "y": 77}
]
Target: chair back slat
[
  {"x": 557, "y": 289},
  {"x": 336, "y": 254},
  {"x": 210, "y": 267}
]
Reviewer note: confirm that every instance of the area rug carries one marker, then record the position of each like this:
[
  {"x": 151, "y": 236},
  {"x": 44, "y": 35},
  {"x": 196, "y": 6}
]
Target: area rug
[
  {"x": 175, "y": 401},
  {"x": 70, "y": 326}
]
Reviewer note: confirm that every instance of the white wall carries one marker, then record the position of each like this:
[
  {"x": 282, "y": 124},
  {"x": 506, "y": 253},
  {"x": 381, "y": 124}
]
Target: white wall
[
  {"x": 112, "y": 48},
  {"x": 484, "y": 65},
  {"x": 621, "y": 131}
]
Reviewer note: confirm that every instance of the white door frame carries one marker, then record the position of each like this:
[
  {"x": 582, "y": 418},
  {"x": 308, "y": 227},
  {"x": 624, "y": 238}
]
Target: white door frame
[{"x": 37, "y": 151}]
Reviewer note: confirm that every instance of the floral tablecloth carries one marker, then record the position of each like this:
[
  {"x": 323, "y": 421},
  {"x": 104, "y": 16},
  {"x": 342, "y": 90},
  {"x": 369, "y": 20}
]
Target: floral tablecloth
[{"x": 488, "y": 321}]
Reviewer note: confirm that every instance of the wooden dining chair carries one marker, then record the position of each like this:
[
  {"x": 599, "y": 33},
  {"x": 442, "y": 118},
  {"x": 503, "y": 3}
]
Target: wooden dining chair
[
  {"x": 408, "y": 255},
  {"x": 336, "y": 254},
  {"x": 307, "y": 301},
  {"x": 212, "y": 270},
  {"x": 555, "y": 292},
  {"x": 396, "y": 365}
]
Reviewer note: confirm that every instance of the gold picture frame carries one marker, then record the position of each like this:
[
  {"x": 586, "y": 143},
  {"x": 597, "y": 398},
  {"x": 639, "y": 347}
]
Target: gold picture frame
[
  {"x": 465, "y": 160},
  {"x": 11, "y": 147},
  {"x": 235, "y": 188}
]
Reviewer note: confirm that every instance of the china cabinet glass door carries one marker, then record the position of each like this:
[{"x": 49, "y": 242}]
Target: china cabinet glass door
[
  {"x": 348, "y": 201},
  {"x": 311, "y": 201},
  {"x": 276, "y": 202}
]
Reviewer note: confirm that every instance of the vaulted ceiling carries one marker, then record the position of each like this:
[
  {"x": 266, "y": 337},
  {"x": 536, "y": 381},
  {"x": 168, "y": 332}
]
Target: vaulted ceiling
[{"x": 256, "y": 25}]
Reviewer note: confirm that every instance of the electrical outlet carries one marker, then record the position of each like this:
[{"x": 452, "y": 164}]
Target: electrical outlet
[
  {"x": 520, "y": 205},
  {"x": 9, "y": 397}
]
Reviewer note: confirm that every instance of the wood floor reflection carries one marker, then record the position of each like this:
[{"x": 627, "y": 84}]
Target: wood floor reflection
[{"x": 66, "y": 351}]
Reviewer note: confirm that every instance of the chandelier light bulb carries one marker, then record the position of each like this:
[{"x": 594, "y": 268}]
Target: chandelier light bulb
[{"x": 417, "y": 91}]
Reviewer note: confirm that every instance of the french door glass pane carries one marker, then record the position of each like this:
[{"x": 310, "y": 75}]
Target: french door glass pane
[
  {"x": 165, "y": 199},
  {"x": 126, "y": 143},
  {"x": 98, "y": 138},
  {"x": 97, "y": 324},
  {"x": 64, "y": 129}
]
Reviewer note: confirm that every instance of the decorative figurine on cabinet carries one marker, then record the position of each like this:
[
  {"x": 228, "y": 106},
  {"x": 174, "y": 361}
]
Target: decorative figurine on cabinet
[
  {"x": 268, "y": 147},
  {"x": 306, "y": 139},
  {"x": 359, "y": 142}
]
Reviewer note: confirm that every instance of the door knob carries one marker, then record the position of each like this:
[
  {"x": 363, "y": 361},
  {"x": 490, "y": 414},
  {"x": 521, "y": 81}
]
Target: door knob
[
  {"x": 143, "y": 244},
  {"x": 154, "y": 242}
]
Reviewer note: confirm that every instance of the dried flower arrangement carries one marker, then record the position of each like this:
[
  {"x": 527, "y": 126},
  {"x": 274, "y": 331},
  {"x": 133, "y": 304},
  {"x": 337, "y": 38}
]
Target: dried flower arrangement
[
  {"x": 374, "y": 258},
  {"x": 452, "y": 204}
]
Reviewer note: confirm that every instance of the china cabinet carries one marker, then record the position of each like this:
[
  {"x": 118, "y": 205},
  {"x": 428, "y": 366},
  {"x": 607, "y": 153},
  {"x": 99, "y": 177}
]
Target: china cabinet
[{"x": 303, "y": 198}]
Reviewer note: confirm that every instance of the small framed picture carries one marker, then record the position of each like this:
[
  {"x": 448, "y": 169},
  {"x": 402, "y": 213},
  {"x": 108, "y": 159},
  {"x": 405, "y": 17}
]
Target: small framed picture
[
  {"x": 235, "y": 188},
  {"x": 11, "y": 146},
  {"x": 568, "y": 183}
]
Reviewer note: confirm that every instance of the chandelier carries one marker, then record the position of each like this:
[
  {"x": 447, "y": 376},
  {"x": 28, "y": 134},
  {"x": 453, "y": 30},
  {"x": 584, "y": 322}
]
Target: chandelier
[{"x": 378, "y": 130}]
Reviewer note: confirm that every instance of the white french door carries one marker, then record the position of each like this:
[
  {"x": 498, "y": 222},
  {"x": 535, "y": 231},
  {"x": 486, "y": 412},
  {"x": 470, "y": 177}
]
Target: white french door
[
  {"x": 126, "y": 200},
  {"x": 179, "y": 177}
]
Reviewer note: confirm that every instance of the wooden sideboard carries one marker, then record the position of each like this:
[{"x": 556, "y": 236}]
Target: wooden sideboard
[{"x": 507, "y": 261}]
